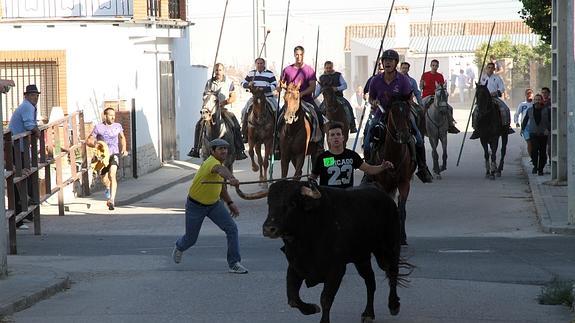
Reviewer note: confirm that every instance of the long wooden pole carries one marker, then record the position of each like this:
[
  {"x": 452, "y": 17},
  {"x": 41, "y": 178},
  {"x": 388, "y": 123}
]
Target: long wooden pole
[
  {"x": 428, "y": 36},
  {"x": 279, "y": 94},
  {"x": 219, "y": 40},
  {"x": 373, "y": 74},
  {"x": 473, "y": 103}
]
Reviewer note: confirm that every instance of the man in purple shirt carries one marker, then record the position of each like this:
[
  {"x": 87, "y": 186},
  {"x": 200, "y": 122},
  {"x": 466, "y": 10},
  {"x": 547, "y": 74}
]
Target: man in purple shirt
[
  {"x": 112, "y": 134},
  {"x": 304, "y": 75},
  {"x": 383, "y": 89}
]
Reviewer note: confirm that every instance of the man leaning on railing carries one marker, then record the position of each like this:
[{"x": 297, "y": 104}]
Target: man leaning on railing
[{"x": 24, "y": 119}]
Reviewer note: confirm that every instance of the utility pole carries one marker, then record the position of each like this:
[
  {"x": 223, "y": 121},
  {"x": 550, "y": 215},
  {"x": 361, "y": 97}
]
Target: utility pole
[
  {"x": 260, "y": 27},
  {"x": 3, "y": 235},
  {"x": 570, "y": 27}
]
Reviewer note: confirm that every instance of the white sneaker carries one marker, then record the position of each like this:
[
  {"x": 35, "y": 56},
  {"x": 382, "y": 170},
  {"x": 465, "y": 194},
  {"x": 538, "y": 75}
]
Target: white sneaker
[
  {"x": 238, "y": 268},
  {"x": 177, "y": 255}
]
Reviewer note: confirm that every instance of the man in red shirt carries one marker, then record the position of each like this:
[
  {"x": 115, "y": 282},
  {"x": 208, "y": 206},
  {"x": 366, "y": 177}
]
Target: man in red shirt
[{"x": 428, "y": 82}]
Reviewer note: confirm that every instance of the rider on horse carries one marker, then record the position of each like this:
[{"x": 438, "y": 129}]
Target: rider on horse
[
  {"x": 404, "y": 69},
  {"x": 496, "y": 87},
  {"x": 262, "y": 78},
  {"x": 225, "y": 90},
  {"x": 383, "y": 89},
  {"x": 331, "y": 78},
  {"x": 304, "y": 75},
  {"x": 428, "y": 83}
]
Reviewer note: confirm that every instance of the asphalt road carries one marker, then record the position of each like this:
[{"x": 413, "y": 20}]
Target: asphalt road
[{"x": 475, "y": 242}]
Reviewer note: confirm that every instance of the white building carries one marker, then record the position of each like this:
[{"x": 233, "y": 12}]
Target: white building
[{"x": 88, "y": 54}]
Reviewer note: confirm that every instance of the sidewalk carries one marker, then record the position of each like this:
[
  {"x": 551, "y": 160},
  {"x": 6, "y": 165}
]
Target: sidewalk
[
  {"x": 550, "y": 201},
  {"x": 25, "y": 286}
]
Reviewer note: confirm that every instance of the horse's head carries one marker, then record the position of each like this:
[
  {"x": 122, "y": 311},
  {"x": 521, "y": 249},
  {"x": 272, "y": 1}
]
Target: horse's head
[
  {"x": 259, "y": 97},
  {"x": 292, "y": 101},
  {"x": 329, "y": 97},
  {"x": 398, "y": 122},
  {"x": 483, "y": 99},
  {"x": 441, "y": 97},
  {"x": 209, "y": 106}
]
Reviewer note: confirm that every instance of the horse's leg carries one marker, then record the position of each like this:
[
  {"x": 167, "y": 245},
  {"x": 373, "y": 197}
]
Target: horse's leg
[
  {"x": 485, "y": 146},
  {"x": 444, "y": 148},
  {"x": 494, "y": 145},
  {"x": 251, "y": 145},
  {"x": 298, "y": 162},
  {"x": 366, "y": 272},
  {"x": 504, "y": 140},
  {"x": 266, "y": 162},
  {"x": 260, "y": 160},
  {"x": 403, "y": 189},
  {"x": 433, "y": 142}
]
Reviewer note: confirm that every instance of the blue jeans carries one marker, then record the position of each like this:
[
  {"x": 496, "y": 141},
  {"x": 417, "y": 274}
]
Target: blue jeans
[{"x": 218, "y": 213}]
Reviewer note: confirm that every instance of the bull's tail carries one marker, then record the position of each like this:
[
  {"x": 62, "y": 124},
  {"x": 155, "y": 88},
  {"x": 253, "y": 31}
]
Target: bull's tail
[{"x": 405, "y": 269}]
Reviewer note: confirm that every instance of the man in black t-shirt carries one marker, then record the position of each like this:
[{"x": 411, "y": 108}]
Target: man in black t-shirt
[{"x": 335, "y": 166}]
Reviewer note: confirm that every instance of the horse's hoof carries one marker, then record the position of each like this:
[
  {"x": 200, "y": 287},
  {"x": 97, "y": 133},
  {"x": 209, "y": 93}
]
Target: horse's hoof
[
  {"x": 255, "y": 168},
  {"x": 492, "y": 177},
  {"x": 438, "y": 176},
  {"x": 394, "y": 311},
  {"x": 498, "y": 174},
  {"x": 367, "y": 319},
  {"x": 443, "y": 168}
]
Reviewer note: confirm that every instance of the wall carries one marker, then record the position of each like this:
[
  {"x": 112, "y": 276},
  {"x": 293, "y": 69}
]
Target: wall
[{"x": 106, "y": 62}]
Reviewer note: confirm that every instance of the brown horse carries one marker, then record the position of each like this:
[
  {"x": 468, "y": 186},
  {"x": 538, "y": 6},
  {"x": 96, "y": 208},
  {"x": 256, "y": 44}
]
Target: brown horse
[
  {"x": 334, "y": 111},
  {"x": 396, "y": 148},
  {"x": 260, "y": 131},
  {"x": 295, "y": 133}
]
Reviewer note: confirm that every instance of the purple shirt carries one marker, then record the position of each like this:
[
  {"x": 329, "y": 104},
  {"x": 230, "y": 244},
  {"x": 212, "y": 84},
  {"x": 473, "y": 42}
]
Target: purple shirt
[
  {"x": 379, "y": 90},
  {"x": 304, "y": 76},
  {"x": 108, "y": 134}
]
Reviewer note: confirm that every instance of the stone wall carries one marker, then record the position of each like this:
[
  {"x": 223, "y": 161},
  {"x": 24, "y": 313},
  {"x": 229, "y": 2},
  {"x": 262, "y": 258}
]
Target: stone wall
[{"x": 148, "y": 159}]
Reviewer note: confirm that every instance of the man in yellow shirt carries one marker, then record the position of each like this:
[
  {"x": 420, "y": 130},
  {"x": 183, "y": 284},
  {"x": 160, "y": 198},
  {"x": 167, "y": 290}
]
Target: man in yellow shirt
[{"x": 207, "y": 201}]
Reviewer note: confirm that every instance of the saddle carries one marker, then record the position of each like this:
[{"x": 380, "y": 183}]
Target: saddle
[{"x": 311, "y": 116}]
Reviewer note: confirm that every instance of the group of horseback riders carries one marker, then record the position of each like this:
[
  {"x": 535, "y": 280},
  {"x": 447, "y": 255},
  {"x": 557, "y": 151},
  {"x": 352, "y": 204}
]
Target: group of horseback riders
[{"x": 384, "y": 88}]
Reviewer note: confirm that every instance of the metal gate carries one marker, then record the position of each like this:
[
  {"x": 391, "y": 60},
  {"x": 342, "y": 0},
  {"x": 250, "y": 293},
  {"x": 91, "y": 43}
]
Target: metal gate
[{"x": 167, "y": 111}]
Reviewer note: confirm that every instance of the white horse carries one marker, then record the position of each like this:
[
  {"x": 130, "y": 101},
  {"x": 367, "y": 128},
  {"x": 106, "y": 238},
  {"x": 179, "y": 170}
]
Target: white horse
[{"x": 436, "y": 124}]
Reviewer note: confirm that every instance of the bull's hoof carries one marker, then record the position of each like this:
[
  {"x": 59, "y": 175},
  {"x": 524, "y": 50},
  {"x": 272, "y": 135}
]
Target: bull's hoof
[
  {"x": 306, "y": 308},
  {"x": 367, "y": 319},
  {"x": 395, "y": 310}
]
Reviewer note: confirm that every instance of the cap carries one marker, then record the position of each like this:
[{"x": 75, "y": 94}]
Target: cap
[
  {"x": 390, "y": 53},
  {"x": 218, "y": 143}
]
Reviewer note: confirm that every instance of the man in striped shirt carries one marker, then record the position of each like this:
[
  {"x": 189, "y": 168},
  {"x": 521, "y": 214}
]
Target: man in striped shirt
[{"x": 262, "y": 78}]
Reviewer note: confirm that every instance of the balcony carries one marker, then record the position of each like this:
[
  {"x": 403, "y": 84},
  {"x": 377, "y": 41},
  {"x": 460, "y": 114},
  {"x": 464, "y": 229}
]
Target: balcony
[
  {"x": 49, "y": 9},
  {"x": 92, "y": 9}
]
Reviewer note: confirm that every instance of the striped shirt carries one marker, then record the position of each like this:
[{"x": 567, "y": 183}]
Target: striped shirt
[{"x": 265, "y": 79}]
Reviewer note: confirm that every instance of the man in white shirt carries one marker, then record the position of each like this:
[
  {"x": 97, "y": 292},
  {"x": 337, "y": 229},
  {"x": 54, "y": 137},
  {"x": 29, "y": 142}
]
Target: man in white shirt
[
  {"x": 496, "y": 88},
  {"x": 520, "y": 114}
]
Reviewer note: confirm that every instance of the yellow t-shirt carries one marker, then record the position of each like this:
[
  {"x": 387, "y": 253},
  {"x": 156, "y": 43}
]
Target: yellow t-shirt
[{"x": 206, "y": 193}]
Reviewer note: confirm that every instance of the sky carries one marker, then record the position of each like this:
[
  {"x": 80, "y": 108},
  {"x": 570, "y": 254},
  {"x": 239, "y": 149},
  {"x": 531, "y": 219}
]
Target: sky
[{"x": 331, "y": 16}]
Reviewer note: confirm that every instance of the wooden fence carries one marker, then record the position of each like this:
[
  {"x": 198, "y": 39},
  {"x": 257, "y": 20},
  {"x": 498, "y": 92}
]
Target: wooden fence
[{"x": 61, "y": 144}]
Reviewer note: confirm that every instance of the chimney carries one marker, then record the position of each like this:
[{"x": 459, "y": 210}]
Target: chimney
[{"x": 402, "y": 32}]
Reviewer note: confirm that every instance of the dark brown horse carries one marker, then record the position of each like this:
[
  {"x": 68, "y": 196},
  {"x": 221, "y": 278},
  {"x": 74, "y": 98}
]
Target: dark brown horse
[
  {"x": 214, "y": 126},
  {"x": 334, "y": 111},
  {"x": 396, "y": 149},
  {"x": 260, "y": 131},
  {"x": 295, "y": 133}
]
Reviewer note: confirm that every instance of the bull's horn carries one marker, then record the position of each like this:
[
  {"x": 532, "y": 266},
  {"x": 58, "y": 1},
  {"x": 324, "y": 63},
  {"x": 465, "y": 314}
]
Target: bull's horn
[
  {"x": 251, "y": 196},
  {"x": 313, "y": 193}
]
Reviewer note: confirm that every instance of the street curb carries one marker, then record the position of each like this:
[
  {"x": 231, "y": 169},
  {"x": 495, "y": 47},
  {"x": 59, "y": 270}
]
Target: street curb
[
  {"x": 62, "y": 282},
  {"x": 155, "y": 190},
  {"x": 541, "y": 210}
]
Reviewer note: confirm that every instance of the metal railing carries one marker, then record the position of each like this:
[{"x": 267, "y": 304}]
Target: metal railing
[
  {"x": 16, "y": 9},
  {"x": 60, "y": 144}
]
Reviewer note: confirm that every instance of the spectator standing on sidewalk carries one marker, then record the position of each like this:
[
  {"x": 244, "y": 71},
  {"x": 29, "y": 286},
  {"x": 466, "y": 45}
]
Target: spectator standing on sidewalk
[
  {"x": 461, "y": 85},
  {"x": 520, "y": 114},
  {"x": 538, "y": 121},
  {"x": 206, "y": 200},
  {"x": 112, "y": 134}
]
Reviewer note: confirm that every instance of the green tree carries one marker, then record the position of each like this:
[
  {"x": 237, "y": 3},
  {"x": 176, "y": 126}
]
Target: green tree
[
  {"x": 537, "y": 15},
  {"x": 522, "y": 56}
]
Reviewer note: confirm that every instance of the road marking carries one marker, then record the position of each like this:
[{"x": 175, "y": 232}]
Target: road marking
[{"x": 463, "y": 250}]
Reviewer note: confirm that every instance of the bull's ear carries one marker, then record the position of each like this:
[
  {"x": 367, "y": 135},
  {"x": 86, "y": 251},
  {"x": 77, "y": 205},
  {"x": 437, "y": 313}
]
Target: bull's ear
[{"x": 314, "y": 194}]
